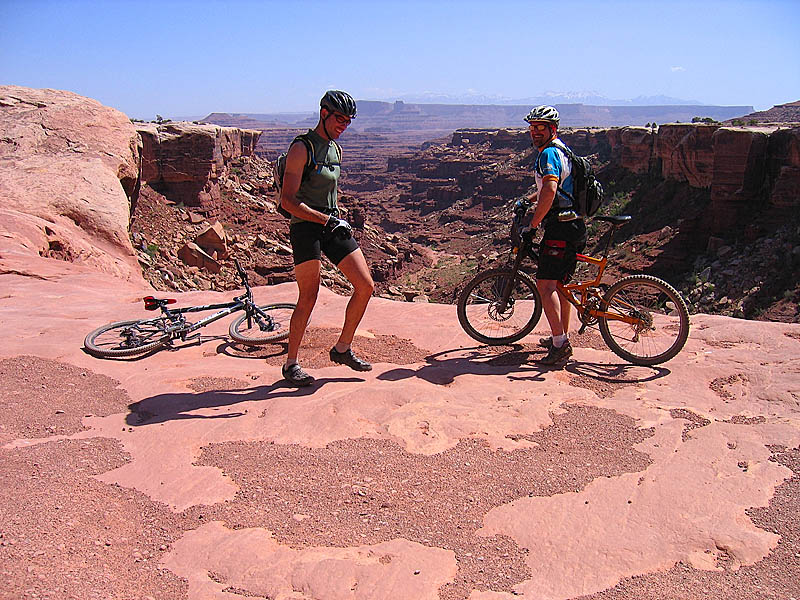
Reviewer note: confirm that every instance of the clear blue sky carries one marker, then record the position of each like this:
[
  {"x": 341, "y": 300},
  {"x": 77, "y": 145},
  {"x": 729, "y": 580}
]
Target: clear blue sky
[{"x": 179, "y": 58}]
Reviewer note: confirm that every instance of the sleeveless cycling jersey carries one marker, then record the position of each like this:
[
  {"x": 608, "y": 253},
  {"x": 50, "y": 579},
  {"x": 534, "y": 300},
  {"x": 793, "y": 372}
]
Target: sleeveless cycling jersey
[
  {"x": 553, "y": 164},
  {"x": 319, "y": 190}
]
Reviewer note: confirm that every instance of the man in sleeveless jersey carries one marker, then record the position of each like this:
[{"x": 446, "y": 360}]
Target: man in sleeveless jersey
[
  {"x": 316, "y": 228},
  {"x": 564, "y": 231}
]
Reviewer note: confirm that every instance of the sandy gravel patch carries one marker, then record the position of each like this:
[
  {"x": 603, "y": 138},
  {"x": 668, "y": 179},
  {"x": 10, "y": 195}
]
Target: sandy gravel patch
[
  {"x": 359, "y": 492},
  {"x": 42, "y": 397}
]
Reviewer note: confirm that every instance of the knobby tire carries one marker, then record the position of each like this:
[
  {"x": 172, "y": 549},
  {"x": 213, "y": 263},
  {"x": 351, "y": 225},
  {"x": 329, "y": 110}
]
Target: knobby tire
[
  {"x": 126, "y": 338},
  {"x": 252, "y": 334},
  {"x": 663, "y": 320},
  {"x": 479, "y": 311}
]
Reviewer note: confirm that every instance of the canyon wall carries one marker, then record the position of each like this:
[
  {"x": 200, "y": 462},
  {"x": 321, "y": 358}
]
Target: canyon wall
[
  {"x": 185, "y": 162},
  {"x": 746, "y": 169},
  {"x": 71, "y": 171}
]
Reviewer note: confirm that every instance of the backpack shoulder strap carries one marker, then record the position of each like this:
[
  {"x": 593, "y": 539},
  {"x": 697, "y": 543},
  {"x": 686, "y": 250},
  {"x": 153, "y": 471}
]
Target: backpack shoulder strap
[
  {"x": 558, "y": 144},
  {"x": 338, "y": 151},
  {"x": 311, "y": 160}
]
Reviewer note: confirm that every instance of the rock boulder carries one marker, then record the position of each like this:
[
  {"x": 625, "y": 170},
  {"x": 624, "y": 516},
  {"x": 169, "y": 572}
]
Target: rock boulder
[{"x": 69, "y": 170}]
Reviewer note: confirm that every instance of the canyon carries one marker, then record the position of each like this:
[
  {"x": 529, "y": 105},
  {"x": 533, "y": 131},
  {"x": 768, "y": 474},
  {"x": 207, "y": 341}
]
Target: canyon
[
  {"x": 451, "y": 470},
  {"x": 715, "y": 206}
]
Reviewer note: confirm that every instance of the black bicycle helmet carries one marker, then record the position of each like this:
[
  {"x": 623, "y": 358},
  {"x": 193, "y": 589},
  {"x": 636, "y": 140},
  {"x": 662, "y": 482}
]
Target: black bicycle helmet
[
  {"x": 338, "y": 101},
  {"x": 544, "y": 113}
]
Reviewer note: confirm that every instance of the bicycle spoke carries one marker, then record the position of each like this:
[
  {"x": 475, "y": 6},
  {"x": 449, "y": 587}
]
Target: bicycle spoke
[
  {"x": 492, "y": 315},
  {"x": 647, "y": 323},
  {"x": 127, "y": 338}
]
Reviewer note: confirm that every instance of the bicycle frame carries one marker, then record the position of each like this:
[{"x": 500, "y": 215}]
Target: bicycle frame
[
  {"x": 585, "y": 296},
  {"x": 179, "y": 327}
]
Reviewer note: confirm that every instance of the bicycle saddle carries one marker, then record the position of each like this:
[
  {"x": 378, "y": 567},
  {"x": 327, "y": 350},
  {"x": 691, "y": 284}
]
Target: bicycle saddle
[{"x": 151, "y": 303}]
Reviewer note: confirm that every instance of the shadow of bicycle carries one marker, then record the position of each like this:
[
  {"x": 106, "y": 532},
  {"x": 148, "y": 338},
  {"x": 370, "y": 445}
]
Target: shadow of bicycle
[{"x": 518, "y": 362}]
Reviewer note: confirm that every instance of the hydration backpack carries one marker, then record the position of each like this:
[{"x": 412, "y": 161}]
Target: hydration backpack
[
  {"x": 587, "y": 195},
  {"x": 279, "y": 167}
]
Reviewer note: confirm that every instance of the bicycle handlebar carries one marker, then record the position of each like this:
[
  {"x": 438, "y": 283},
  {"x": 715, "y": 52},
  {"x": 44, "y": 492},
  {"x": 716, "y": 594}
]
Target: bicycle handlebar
[{"x": 242, "y": 276}]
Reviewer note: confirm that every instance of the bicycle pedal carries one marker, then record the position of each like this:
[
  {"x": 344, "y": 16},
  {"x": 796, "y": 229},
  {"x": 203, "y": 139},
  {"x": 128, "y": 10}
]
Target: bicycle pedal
[{"x": 196, "y": 336}]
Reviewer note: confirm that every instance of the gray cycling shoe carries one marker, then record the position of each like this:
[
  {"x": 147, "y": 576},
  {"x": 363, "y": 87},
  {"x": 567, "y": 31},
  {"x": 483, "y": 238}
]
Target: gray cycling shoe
[
  {"x": 557, "y": 356},
  {"x": 295, "y": 375},
  {"x": 351, "y": 360}
]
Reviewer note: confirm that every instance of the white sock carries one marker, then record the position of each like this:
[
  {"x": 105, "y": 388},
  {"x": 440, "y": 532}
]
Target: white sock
[{"x": 559, "y": 340}]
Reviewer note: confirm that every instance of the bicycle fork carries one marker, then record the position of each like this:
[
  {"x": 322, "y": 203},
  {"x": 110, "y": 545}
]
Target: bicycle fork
[{"x": 505, "y": 294}]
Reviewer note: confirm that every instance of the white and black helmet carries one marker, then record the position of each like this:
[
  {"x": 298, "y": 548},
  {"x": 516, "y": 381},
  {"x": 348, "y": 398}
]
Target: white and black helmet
[
  {"x": 543, "y": 113},
  {"x": 340, "y": 102}
]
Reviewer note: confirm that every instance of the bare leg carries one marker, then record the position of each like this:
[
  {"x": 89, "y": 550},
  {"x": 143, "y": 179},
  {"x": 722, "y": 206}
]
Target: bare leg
[
  {"x": 566, "y": 312},
  {"x": 553, "y": 309},
  {"x": 355, "y": 268},
  {"x": 307, "y": 276}
]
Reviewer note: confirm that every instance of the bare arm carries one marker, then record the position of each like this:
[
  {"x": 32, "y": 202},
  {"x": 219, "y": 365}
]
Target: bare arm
[
  {"x": 544, "y": 201},
  {"x": 296, "y": 161}
]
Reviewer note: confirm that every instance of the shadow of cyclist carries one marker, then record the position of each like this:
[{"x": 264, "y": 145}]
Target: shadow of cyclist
[
  {"x": 479, "y": 360},
  {"x": 518, "y": 362},
  {"x": 175, "y": 406}
]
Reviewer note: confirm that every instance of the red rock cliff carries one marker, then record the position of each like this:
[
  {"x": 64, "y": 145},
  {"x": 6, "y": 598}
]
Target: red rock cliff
[{"x": 185, "y": 161}]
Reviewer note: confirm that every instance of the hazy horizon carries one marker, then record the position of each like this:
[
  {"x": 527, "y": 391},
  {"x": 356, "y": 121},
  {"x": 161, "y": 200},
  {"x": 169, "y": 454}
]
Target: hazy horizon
[{"x": 177, "y": 58}]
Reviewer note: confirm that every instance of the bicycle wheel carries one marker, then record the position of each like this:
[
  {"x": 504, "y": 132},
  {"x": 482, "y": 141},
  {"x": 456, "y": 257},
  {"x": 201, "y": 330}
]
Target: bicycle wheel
[
  {"x": 126, "y": 338},
  {"x": 261, "y": 330},
  {"x": 662, "y": 320},
  {"x": 481, "y": 316}
]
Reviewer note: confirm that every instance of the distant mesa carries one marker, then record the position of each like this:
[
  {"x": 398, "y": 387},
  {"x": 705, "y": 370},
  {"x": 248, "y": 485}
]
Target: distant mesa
[
  {"x": 780, "y": 113},
  {"x": 402, "y": 116}
]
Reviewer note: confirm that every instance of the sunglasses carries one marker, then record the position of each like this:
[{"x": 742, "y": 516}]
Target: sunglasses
[
  {"x": 341, "y": 119},
  {"x": 539, "y": 127}
]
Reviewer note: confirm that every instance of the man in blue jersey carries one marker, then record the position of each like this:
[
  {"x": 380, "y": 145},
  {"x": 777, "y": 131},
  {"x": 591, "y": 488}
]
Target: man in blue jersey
[{"x": 564, "y": 230}]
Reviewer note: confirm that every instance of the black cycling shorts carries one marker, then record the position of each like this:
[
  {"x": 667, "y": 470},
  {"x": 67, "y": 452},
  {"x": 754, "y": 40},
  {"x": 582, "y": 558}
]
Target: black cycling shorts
[
  {"x": 561, "y": 242},
  {"x": 308, "y": 243}
]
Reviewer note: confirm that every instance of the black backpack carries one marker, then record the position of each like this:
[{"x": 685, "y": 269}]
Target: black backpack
[
  {"x": 587, "y": 195},
  {"x": 279, "y": 167}
]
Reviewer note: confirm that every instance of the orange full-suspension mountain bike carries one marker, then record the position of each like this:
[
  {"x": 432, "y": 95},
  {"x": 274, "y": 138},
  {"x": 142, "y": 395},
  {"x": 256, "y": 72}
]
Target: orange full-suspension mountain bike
[{"x": 642, "y": 318}]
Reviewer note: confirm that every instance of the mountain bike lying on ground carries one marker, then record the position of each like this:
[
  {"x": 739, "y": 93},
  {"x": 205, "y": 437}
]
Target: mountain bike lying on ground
[
  {"x": 642, "y": 319},
  {"x": 258, "y": 325}
]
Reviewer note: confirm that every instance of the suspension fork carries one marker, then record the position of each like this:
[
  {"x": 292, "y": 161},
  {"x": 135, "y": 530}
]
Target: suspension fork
[{"x": 508, "y": 288}]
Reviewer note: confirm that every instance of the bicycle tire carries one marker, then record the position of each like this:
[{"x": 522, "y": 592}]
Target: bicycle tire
[
  {"x": 252, "y": 335},
  {"x": 478, "y": 313},
  {"x": 126, "y": 338},
  {"x": 664, "y": 327}
]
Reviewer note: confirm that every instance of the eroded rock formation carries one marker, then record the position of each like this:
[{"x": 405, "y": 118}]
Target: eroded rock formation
[
  {"x": 69, "y": 170},
  {"x": 185, "y": 162}
]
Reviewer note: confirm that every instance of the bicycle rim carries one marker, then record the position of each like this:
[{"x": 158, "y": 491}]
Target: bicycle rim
[
  {"x": 484, "y": 319},
  {"x": 258, "y": 329},
  {"x": 662, "y": 320},
  {"x": 126, "y": 338}
]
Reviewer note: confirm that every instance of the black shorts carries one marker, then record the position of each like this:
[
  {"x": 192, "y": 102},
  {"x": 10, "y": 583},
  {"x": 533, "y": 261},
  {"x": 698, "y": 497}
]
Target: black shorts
[
  {"x": 561, "y": 242},
  {"x": 308, "y": 243}
]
